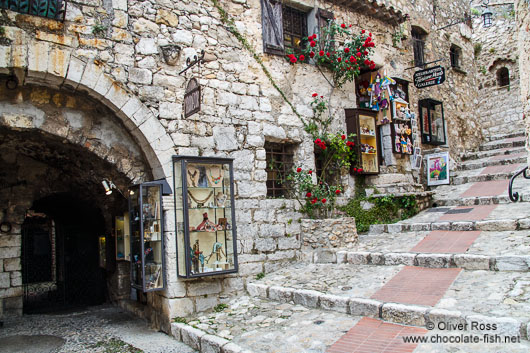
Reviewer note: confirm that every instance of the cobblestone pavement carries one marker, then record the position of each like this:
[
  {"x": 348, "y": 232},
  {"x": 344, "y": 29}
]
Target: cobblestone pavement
[{"x": 94, "y": 330}]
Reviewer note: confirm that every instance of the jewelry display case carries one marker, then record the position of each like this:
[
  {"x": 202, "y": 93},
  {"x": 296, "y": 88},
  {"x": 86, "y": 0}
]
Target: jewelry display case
[
  {"x": 432, "y": 122},
  {"x": 362, "y": 123},
  {"x": 122, "y": 235},
  {"x": 204, "y": 216},
  {"x": 146, "y": 237}
]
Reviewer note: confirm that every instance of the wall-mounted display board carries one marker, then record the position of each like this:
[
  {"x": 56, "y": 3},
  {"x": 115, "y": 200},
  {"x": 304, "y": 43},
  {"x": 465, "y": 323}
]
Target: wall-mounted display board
[
  {"x": 205, "y": 216},
  {"x": 362, "y": 123}
]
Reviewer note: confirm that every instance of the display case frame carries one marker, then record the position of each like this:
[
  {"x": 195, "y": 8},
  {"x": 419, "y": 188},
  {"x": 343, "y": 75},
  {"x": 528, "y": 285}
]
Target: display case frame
[
  {"x": 182, "y": 225},
  {"x": 426, "y": 122},
  {"x": 353, "y": 126},
  {"x": 137, "y": 218}
]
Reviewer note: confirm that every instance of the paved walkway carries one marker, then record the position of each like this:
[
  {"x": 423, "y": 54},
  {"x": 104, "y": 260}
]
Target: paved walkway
[{"x": 96, "y": 329}]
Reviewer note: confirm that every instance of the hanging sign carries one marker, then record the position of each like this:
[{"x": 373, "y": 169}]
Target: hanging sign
[
  {"x": 429, "y": 77},
  {"x": 192, "y": 98}
]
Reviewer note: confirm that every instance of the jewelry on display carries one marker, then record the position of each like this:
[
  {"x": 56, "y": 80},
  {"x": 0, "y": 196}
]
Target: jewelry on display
[
  {"x": 206, "y": 224},
  {"x": 215, "y": 179},
  {"x": 220, "y": 199},
  {"x": 200, "y": 203},
  {"x": 193, "y": 177}
]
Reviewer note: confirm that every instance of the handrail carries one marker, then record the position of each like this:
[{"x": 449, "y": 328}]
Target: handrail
[{"x": 514, "y": 196}]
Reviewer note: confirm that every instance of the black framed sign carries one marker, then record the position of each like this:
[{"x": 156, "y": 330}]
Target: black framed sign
[
  {"x": 429, "y": 77},
  {"x": 192, "y": 98}
]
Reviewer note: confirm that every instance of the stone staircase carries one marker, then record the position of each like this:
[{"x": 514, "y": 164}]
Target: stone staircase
[{"x": 455, "y": 271}]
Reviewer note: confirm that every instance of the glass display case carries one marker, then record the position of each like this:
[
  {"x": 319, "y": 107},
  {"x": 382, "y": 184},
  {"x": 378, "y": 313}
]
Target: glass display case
[
  {"x": 122, "y": 236},
  {"x": 401, "y": 127},
  {"x": 432, "y": 122},
  {"x": 146, "y": 237},
  {"x": 102, "y": 249},
  {"x": 362, "y": 123},
  {"x": 204, "y": 216}
]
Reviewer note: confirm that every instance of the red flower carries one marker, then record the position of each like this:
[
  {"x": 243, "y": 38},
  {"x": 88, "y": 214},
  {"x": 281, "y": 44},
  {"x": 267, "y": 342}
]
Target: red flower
[
  {"x": 310, "y": 171},
  {"x": 314, "y": 201},
  {"x": 323, "y": 146},
  {"x": 324, "y": 200},
  {"x": 298, "y": 170},
  {"x": 352, "y": 58},
  {"x": 339, "y": 60},
  {"x": 337, "y": 192},
  {"x": 343, "y": 25},
  {"x": 346, "y": 50},
  {"x": 308, "y": 195},
  {"x": 315, "y": 94},
  {"x": 370, "y": 34},
  {"x": 327, "y": 54},
  {"x": 302, "y": 57},
  {"x": 361, "y": 170},
  {"x": 366, "y": 52},
  {"x": 318, "y": 141},
  {"x": 350, "y": 26},
  {"x": 367, "y": 62},
  {"x": 363, "y": 31},
  {"x": 312, "y": 54},
  {"x": 343, "y": 137},
  {"x": 321, "y": 53},
  {"x": 369, "y": 39},
  {"x": 359, "y": 54},
  {"x": 355, "y": 170},
  {"x": 312, "y": 43},
  {"x": 372, "y": 67},
  {"x": 293, "y": 60}
]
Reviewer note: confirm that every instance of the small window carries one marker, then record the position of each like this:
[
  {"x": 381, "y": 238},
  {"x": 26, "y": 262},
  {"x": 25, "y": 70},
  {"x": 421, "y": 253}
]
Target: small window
[
  {"x": 418, "y": 44},
  {"x": 455, "y": 53},
  {"x": 294, "y": 28},
  {"x": 279, "y": 164},
  {"x": 503, "y": 77}
]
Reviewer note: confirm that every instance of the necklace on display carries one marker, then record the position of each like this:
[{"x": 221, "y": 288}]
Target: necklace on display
[
  {"x": 200, "y": 203},
  {"x": 192, "y": 177},
  {"x": 216, "y": 179}
]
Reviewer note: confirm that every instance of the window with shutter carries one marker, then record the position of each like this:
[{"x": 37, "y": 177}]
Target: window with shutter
[
  {"x": 294, "y": 29},
  {"x": 324, "y": 18},
  {"x": 272, "y": 23},
  {"x": 418, "y": 43}
]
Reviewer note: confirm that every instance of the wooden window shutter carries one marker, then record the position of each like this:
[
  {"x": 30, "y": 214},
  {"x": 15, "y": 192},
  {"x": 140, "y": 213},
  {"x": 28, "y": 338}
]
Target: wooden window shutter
[
  {"x": 323, "y": 19},
  {"x": 272, "y": 23}
]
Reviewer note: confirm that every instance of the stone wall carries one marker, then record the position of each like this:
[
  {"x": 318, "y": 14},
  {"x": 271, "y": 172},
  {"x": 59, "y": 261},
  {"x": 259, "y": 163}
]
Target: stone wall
[
  {"x": 523, "y": 24},
  {"x": 124, "y": 69},
  {"x": 499, "y": 110}
]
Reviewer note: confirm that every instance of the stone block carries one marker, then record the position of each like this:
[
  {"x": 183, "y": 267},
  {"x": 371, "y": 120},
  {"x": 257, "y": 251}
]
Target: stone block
[
  {"x": 377, "y": 258},
  {"x": 400, "y": 259},
  {"x": 497, "y": 225},
  {"x": 5, "y": 280},
  {"x": 512, "y": 263},
  {"x": 395, "y": 228},
  {"x": 225, "y": 138},
  {"x": 306, "y": 298},
  {"x": 441, "y": 226},
  {"x": 175, "y": 330},
  {"x": 10, "y": 252},
  {"x": 288, "y": 243},
  {"x": 281, "y": 294},
  {"x": 192, "y": 336},
  {"x": 334, "y": 303},
  {"x": 342, "y": 257},
  {"x": 377, "y": 228},
  {"x": 404, "y": 314},
  {"x": 463, "y": 226},
  {"x": 358, "y": 258},
  {"x": 434, "y": 260},
  {"x": 281, "y": 255},
  {"x": 16, "y": 278},
  {"x": 524, "y": 223},
  {"x": 441, "y": 317},
  {"x": 472, "y": 262},
  {"x": 365, "y": 307},
  {"x": 10, "y": 240},
  {"x": 231, "y": 348},
  {"x": 420, "y": 227},
  {"x": 257, "y": 290},
  {"x": 265, "y": 245},
  {"x": 212, "y": 344},
  {"x": 141, "y": 76},
  {"x": 506, "y": 326},
  {"x": 325, "y": 256},
  {"x": 250, "y": 269},
  {"x": 147, "y": 46},
  {"x": 204, "y": 287},
  {"x": 205, "y": 303},
  {"x": 180, "y": 307}
]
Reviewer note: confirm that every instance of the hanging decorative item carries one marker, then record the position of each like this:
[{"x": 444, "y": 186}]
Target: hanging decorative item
[
  {"x": 192, "y": 98},
  {"x": 171, "y": 53}
]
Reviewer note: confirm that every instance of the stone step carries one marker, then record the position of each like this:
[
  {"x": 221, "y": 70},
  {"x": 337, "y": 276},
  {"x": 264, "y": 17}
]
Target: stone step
[
  {"x": 469, "y": 156},
  {"x": 505, "y": 136},
  {"x": 254, "y": 324},
  {"x": 397, "y": 188},
  {"x": 487, "y": 225},
  {"x": 488, "y": 162},
  {"x": 499, "y": 144},
  {"x": 519, "y": 263},
  {"x": 483, "y": 200},
  {"x": 467, "y": 179},
  {"x": 360, "y": 291}
]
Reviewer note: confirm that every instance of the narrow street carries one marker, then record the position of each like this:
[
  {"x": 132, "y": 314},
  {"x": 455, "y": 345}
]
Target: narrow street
[{"x": 96, "y": 329}]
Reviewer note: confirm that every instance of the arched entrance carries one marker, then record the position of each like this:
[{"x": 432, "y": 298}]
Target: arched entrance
[{"x": 56, "y": 148}]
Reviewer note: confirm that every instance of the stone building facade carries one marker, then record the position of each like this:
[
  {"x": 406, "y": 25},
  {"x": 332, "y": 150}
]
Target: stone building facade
[
  {"x": 523, "y": 38},
  {"x": 94, "y": 97},
  {"x": 499, "y": 109}
]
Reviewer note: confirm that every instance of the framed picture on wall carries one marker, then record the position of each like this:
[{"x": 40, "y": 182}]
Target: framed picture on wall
[{"x": 438, "y": 169}]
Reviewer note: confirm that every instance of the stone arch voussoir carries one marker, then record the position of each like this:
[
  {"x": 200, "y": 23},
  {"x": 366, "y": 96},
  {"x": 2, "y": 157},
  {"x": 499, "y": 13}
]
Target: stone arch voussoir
[{"x": 50, "y": 66}]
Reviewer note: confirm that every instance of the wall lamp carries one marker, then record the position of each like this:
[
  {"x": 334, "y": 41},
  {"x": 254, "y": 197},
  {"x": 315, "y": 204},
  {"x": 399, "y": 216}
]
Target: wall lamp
[
  {"x": 108, "y": 185},
  {"x": 486, "y": 15}
]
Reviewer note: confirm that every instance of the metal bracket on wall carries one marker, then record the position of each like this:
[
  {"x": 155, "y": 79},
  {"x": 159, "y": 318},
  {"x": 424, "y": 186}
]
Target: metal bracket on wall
[{"x": 196, "y": 60}]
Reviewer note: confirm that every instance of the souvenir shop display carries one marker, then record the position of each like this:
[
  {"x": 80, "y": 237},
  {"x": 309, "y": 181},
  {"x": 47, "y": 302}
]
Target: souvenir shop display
[
  {"x": 403, "y": 120},
  {"x": 205, "y": 216},
  {"x": 374, "y": 93},
  {"x": 145, "y": 232},
  {"x": 362, "y": 123},
  {"x": 432, "y": 122}
]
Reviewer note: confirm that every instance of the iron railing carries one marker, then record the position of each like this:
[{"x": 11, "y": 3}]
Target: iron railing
[
  {"x": 514, "y": 196},
  {"x": 53, "y": 9}
]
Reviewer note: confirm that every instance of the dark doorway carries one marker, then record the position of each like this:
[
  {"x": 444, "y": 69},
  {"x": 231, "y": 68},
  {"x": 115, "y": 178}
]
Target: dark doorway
[{"x": 60, "y": 257}]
